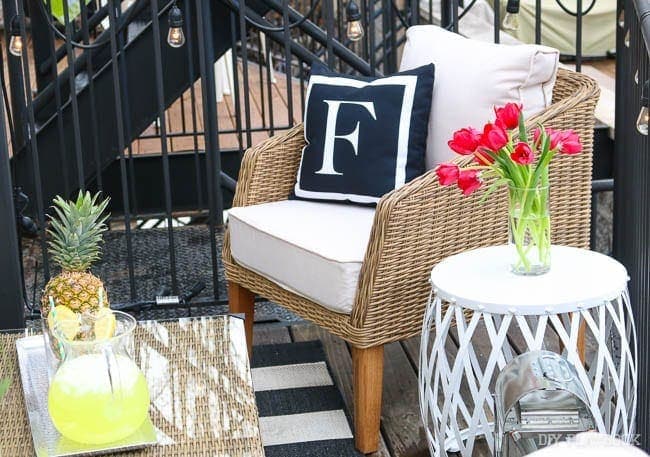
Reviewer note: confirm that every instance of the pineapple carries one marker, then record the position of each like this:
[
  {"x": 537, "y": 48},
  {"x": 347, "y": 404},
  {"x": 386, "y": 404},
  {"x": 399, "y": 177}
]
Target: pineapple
[{"x": 76, "y": 238}]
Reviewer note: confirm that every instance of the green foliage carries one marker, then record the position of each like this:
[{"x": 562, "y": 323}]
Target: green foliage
[
  {"x": 77, "y": 230},
  {"x": 74, "y": 9}
]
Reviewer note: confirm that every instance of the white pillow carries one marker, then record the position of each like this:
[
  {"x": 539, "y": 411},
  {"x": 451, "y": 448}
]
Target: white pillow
[{"x": 472, "y": 77}]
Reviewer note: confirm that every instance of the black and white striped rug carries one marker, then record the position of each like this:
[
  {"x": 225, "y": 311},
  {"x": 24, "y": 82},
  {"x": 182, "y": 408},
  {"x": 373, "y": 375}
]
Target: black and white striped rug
[{"x": 301, "y": 410}]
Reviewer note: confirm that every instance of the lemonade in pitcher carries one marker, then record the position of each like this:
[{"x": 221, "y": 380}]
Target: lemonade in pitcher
[{"x": 98, "y": 394}]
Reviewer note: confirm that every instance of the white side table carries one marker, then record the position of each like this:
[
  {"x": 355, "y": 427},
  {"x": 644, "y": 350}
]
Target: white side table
[{"x": 475, "y": 293}]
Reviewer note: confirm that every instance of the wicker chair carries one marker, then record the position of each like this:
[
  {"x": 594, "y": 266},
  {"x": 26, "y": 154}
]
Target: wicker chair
[{"x": 414, "y": 228}]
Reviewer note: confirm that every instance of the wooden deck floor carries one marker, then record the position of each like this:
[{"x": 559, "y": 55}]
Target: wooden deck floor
[
  {"x": 268, "y": 104},
  {"x": 402, "y": 434}
]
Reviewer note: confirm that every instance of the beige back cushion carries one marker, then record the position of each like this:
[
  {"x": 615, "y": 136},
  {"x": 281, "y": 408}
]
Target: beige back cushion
[{"x": 472, "y": 77}]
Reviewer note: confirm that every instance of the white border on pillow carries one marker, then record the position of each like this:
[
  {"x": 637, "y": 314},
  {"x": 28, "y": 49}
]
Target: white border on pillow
[{"x": 409, "y": 82}]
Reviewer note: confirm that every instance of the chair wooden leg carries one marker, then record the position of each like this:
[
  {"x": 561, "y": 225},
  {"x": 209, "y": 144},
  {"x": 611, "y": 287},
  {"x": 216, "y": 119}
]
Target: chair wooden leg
[
  {"x": 582, "y": 341},
  {"x": 368, "y": 371},
  {"x": 581, "y": 344},
  {"x": 242, "y": 301}
]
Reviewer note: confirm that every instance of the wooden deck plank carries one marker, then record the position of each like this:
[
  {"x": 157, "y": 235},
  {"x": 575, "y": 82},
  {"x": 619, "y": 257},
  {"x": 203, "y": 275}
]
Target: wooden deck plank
[
  {"x": 228, "y": 101},
  {"x": 150, "y": 146},
  {"x": 607, "y": 66},
  {"x": 186, "y": 143},
  {"x": 401, "y": 422},
  {"x": 270, "y": 334},
  {"x": 174, "y": 124},
  {"x": 280, "y": 103},
  {"x": 260, "y": 112},
  {"x": 254, "y": 95},
  {"x": 199, "y": 103},
  {"x": 340, "y": 361},
  {"x": 176, "y": 113},
  {"x": 281, "y": 90}
]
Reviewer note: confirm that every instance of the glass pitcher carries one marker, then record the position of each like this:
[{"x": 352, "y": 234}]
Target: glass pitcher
[{"x": 98, "y": 394}]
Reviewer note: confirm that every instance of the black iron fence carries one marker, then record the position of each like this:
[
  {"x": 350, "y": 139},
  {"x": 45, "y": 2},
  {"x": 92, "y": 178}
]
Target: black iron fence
[
  {"x": 632, "y": 179},
  {"x": 104, "y": 99},
  {"x": 81, "y": 97}
]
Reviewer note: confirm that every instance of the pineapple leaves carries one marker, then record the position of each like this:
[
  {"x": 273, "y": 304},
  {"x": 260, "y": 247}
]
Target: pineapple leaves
[{"x": 76, "y": 231}]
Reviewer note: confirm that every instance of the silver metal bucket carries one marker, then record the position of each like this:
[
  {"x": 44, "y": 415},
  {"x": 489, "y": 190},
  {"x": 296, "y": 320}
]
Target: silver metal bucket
[{"x": 539, "y": 401}]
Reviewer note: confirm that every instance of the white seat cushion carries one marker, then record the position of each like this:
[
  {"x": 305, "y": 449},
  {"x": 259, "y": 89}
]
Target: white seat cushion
[
  {"x": 472, "y": 77},
  {"x": 313, "y": 249}
]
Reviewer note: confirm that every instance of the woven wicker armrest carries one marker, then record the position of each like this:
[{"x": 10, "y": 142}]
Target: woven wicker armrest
[
  {"x": 418, "y": 225},
  {"x": 268, "y": 170},
  {"x": 415, "y": 227}
]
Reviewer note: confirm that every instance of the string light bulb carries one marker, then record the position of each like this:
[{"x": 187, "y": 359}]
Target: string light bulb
[
  {"x": 175, "y": 37},
  {"x": 354, "y": 29},
  {"x": 511, "y": 19},
  {"x": 16, "y": 41},
  {"x": 626, "y": 40},
  {"x": 621, "y": 19},
  {"x": 644, "y": 115}
]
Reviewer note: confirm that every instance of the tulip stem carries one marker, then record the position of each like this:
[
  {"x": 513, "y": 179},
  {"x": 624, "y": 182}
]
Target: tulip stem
[{"x": 530, "y": 229}]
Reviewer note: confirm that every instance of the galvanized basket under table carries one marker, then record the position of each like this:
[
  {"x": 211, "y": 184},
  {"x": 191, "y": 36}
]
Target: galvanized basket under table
[{"x": 583, "y": 298}]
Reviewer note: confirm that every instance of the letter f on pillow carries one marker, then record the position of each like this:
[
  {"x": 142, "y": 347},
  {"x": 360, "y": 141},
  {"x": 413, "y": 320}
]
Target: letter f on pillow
[{"x": 330, "y": 133}]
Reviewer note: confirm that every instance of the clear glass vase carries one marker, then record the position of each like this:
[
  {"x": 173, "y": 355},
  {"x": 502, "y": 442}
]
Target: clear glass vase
[{"x": 529, "y": 230}]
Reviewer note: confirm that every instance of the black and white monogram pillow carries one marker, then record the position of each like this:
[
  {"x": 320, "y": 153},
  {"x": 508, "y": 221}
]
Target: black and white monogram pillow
[{"x": 364, "y": 136}]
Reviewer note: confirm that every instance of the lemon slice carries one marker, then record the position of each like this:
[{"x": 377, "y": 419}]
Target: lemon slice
[
  {"x": 62, "y": 319},
  {"x": 105, "y": 324}
]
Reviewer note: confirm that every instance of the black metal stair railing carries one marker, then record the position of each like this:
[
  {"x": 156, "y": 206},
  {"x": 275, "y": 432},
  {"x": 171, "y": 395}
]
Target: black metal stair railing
[
  {"x": 97, "y": 90},
  {"x": 105, "y": 95}
]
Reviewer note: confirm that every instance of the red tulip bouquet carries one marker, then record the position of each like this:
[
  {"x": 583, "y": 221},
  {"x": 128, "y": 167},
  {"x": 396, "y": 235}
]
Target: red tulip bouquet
[{"x": 505, "y": 152}]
